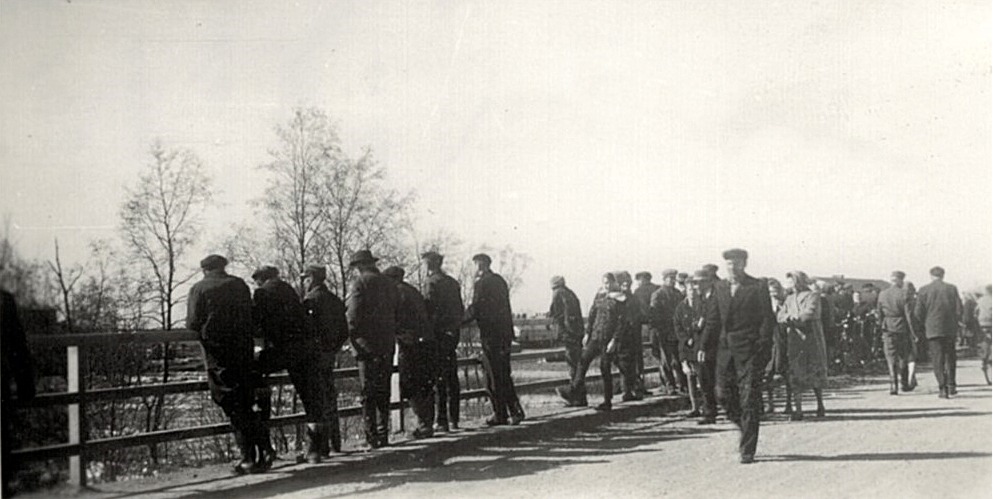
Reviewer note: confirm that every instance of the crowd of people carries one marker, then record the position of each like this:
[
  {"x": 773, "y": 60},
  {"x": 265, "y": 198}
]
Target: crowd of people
[
  {"x": 727, "y": 340},
  {"x": 383, "y": 315}
]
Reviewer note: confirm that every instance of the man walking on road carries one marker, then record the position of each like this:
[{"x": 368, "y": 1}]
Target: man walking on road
[
  {"x": 740, "y": 316},
  {"x": 326, "y": 318},
  {"x": 219, "y": 308},
  {"x": 897, "y": 331},
  {"x": 567, "y": 319},
  {"x": 443, "y": 300},
  {"x": 601, "y": 340},
  {"x": 490, "y": 309},
  {"x": 372, "y": 324},
  {"x": 939, "y": 308}
]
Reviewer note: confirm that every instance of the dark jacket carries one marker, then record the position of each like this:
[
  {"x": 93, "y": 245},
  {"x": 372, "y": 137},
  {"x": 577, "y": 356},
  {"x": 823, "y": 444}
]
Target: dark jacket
[
  {"x": 490, "y": 309},
  {"x": 747, "y": 316},
  {"x": 644, "y": 295},
  {"x": 219, "y": 307},
  {"x": 605, "y": 318},
  {"x": 280, "y": 318},
  {"x": 893, "y": 311},
  {"x": 326, "y": 317},
  {"x": 661, "y": 309},
  {"x": 687, "y": 322},
  {"x": 443, "y": 299},
  {"x": 372, "y": 314},
  {"x": 16, "y": 365},
  {"x": 938, "y": 308},
  {"x": 566, "y": 314},
  {"x": 413, "y": 325}
]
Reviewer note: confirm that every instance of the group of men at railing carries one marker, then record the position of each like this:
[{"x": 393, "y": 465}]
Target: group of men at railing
[
  {"x": 728, "y": 339},
  {"x": 303, "y": 336}
]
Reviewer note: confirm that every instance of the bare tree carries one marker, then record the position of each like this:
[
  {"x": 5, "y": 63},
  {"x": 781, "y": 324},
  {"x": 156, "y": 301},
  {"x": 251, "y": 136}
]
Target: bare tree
[
  {"x": 160, "y": 220},
  {"x": 66, "y": 279}
]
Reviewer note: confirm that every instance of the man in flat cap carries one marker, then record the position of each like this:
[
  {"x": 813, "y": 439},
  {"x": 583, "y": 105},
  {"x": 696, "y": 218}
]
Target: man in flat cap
[
  {"x": 892, "y": 308},
  {"x": 630, "y": 348},
  {"x": 490, "y": 308},
  {"x": 219, "y": 308},
  {"x": 372, "y": 308},
  {"x": 643, "y": 295},
  {"x": 662, "y": 309},
  {"x": 939, "y": 308},
  {"x": 740, "y": 316},
  {"x": 681, "y": 283},
  {"x": 326, "y": 319},
  {"x": 281, "y": 322},
  {"x": 443, "y": 300},
  {"x": 415, "y": 338},
  {"x": 567, "y": 319}
]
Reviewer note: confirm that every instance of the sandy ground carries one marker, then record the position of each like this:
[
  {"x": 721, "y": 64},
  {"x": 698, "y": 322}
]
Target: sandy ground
[{"x": 870, "y": 444}]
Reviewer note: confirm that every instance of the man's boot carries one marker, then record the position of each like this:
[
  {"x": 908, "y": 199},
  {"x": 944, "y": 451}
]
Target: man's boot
[
  {"x": 314, "y": 437},
  {"x": 247, "y": 449},
  {"x": 894, "y": 383}
]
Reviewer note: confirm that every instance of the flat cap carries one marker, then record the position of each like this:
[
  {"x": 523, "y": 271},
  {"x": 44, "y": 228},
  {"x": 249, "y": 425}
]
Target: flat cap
[
  {"x": 213, "y": 262},
  {"x": 670, "y": 272},
  {"x": 316, "y": 271},
  {"x": 682, "y": 276},
  {"x": 394, "y": 272},
  {"x": 937, "y": 272},
  {"x": 735, "y": 253},
  {"x": 643, "y": 275},
  {"x": 432, "y": 255},
  {"x": 623, "y": 276},
  {"x": 702, "y": 275},
  {"x": 557, "y": 281},
  {"x": 265, "y": 272},
  {"x": 899, "y": 274},
  {"x": 482, "y": 257}
]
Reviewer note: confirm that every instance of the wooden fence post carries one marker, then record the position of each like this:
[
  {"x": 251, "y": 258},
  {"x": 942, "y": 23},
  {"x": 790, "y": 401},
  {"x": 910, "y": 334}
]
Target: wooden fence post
[{"x": 75, "y": 366}]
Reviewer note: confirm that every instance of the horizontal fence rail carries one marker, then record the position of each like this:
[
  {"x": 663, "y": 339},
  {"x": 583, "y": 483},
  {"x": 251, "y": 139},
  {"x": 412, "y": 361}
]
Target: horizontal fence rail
[{"x": 78, "y": 395}]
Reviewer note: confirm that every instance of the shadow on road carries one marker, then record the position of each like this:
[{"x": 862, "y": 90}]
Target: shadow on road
[
  {"x": 549, "y": 448},
  {"x": 884, "y": 456},
  {"x": 884, "y": 415}
]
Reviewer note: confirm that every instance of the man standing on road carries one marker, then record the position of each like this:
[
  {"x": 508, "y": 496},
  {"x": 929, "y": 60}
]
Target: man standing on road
[
  {"x": 219, "y": 308},
  {"x": 490, "y": 308},
  {"x": 662, "y": 309},
  {"x": 372, "y": 306},
  {"x": 567, "y": 319},
  {"x": 281, "y": 320},
  {"x": 939, "y": 309},
  {"x": 415, "y": 338},
  {"x": 643, "y": 293},
  {"x": 897, "y": 331},
  {"x": 630, "y": 348},
  {"x": 326, "y": 319},
  {"x": 443, "y": 300},
  {"x": 740, "y": 316}
]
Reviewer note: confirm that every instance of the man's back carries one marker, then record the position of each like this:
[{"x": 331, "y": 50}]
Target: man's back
[
  {"x": 279, "y": 314},
  {"x": 327, "y": 315},
  {"x": 566, "y": 312},
  {"x": 412, "y": 316},
  {"x": 939, "y": 309},
  {"x": 372, "y": 313},
  {"x": 220, "y": 309},
  {"x": 443, "y": 299},
  {"x": 892, "y": 305}
]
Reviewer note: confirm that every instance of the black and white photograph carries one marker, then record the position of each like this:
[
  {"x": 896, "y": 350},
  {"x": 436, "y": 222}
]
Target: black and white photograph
[{"x": 508, "y": 249}]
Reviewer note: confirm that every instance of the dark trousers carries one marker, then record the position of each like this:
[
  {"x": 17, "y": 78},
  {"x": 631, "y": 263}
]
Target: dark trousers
[
  {"x": 708, "y": 384},
  {"x": 943, "y": 360},
  {"x": 417, "y": 376},
  {"x": 627, "y": 364},
  {"x": 306, "y": 373},
  {"x": 374, "y": 375},
  {"x": 499, "y": 384},
  {"x": 447, "y": 378},
  {"x": 590, "y": 352},
  {"x": 574, "y": 357},
  {"x": 739, "y": 387},
  {"x": 329, "y": 401},
  {"x": 230, "y": 380},
  {"x": 672, "y": 371}
]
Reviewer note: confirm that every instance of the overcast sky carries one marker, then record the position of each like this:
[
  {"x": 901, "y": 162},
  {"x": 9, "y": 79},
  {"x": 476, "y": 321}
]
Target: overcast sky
[{"x": 845, "y": 137}]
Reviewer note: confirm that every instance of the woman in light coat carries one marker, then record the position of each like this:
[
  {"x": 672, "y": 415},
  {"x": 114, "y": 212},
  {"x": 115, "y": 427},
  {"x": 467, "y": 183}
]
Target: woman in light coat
[{"x": 801, "y": 316}]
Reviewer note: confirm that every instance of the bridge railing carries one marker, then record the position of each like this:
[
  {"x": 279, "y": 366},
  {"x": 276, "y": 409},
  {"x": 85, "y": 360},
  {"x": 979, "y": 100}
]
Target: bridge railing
[{"x": 78, "y": 395}]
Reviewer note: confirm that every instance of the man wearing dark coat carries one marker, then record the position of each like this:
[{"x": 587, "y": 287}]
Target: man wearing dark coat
[
  {"x": 643, "y": 294},
  {"x": 740, "y": 315},
  {"x": 281, "y": 322},
  {"x": 219, "y": 308},
  {"x": 662, "y": 309},
  {"x": 415, "y": 338},
  {"x": 894, "y": 315},
  {"x": 372, "y": 308},
  {"x": 567, "y": 319},
  {"x": 630, "y": 347},
  {"x": 326, "y": 319},
  {"x": 490, "y": 308},
  {"x": 443, "y": 300},
  {"x": 18, "y": 373},
  {"x": 938, "y": 309}
]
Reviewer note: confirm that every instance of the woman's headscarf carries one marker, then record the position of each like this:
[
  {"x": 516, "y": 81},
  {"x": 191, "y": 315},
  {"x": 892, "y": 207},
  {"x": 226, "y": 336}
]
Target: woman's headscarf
[{"x": 800, "y": 280}]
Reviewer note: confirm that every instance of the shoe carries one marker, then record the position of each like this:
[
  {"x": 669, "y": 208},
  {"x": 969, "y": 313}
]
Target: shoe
[
  {"x": 606, "y": 406},
  {"x": 953, "y": 390},
  {"x": 245, "y": 467},
  {"x": 746, "y": 459},
  {"x": 516, "y": 419},
  {"x": 453, "y": 426},
  {"x": 707, "y": 420},
  {"x": 912, "y": 384},
  {"x": 266, "y": 456},
  {"x": 694, "y": 413},
  {"x": 441, "y": 428},
  {"x": 820, "y": 412},
  {"x": 893, "y": 390},
  {"x": 630, "y": 397},
  {"x": 943, "y": 393},
  {"x": 423, "y": 432},
  {"x": 796, "y": 416},
  {"x": 495, "y": 421},
  {"x": 905, "y": 387},
  {"x": 566, "y": 395},
  {"x": 580, "y": 403},
  {"x": 312, "y": 457}
]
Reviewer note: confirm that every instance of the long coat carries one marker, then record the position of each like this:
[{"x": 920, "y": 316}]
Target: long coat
[
  {"x": 326, "y": 317},
  {"x": 219, "y": 307},
  {"x": 490, "y": 308},
  {"x": 939, "y": 309},
  {"x": 443, "y": 299},
  {"x": 747, "y": 315},
  {"x": 566, "y": 314},
  {"x": 806, "y": 351},
  {"x": 372, "y": 314}
]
